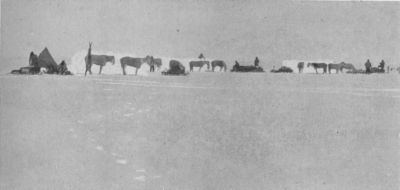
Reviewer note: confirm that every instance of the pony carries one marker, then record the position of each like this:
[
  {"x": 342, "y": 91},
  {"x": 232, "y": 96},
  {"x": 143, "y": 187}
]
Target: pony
[
  {"x": 300, "y": 66},
  {"x": 218, "y": 63},
  {"x": 99, "y": 60},
  {"x": 199, "y": 64},
  {"x": 317, "y": 66},
  {"x": 347, "y": 66},
  {"x": 335, "y": 66},
  {"x": 134, "y": 62}
]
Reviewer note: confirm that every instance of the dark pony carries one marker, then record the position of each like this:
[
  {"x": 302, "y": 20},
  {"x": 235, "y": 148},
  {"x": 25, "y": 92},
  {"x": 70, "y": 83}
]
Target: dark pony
[
  {"x": 218, "y": 63},
  {"x": 317, "y": 66}
]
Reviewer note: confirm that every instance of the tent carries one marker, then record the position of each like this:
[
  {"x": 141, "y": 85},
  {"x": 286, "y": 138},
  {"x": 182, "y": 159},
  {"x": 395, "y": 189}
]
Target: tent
[
  {"x": 293, "y": 65},
  {"x": 46, "y": 60}
]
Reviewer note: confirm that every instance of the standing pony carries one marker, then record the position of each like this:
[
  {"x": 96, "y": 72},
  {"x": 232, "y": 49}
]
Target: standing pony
[
  {"x": 218, "y": 63},
  {"x": 99, "y": 60},
  {"x": 134, "y": 62},
  {"x": 347, "y": 66},
  {"x": 335, "y": 66},
  {"x": 317, "y": 66},
  {"x": 300, "y": 66},
  {"x": 199, "y": 64}
]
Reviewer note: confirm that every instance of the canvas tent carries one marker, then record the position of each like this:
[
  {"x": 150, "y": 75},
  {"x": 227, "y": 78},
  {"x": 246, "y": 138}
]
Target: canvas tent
[
  {"x": 46, "y": 60},
  {"x": 293, "y": 65}
]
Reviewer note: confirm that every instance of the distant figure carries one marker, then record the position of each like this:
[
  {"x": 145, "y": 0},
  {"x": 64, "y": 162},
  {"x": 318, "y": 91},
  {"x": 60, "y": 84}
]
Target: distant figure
[
  {"x": 382, "y": 66},
  {"x": 62, "y": 68},
  {"x": 33, "y": 60},
  {"x": 236, "y": 64},
  {"x": 300, "y": 66},
  {"x": 89, "y": 60},
  {"x": 256, "y": 62},
  {"x": 368, "y": 66},
  {"x": 157, "y": 62},
  {"x": 152, "y": 67}
]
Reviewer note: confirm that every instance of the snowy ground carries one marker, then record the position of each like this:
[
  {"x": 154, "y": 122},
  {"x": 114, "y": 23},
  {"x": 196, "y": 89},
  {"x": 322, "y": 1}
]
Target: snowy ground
[{"x": 203, "y": 131}]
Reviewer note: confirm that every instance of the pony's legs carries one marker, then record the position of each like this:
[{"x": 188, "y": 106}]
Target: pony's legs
[
  {"x": 200, "y": 68},
  {"x": 101, "y": 68},
  {"x": 123, "y": 69},
  {"x": 88, "y": 69},
  {"x": 136, "y": 71}
]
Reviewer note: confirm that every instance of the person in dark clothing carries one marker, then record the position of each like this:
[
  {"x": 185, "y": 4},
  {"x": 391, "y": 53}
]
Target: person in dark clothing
[
  {"x": 256, "y": 62},
  {"x": 152, "y": 68},
  {"x": 382, "y": 66},
  {"x": 89, "y": 60},
  {"x": 33, "y": 60},
  {"x": 368, "y": 66}
]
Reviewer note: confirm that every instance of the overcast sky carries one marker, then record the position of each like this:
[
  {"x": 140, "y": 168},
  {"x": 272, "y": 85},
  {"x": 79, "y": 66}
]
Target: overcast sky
[{"x": 223, "y": 29}]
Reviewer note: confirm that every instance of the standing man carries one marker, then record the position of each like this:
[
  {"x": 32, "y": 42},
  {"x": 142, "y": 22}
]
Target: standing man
[
  {"x": 300, "y": 66},
  {"x": 368, "y": 67},
  {"x": 89, "y": 59},
  {"x": 152, "y": 64},
  {"x": 256, "y": 62},
  {"x": 382, "y": 66}
]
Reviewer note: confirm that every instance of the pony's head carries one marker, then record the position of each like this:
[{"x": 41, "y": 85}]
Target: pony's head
[
  {"x": 309, "y": 64},
  {"x": 149, "y": 59},
  {"x": 208, "y": 65},
  {"x": 112, "y": 60}
]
